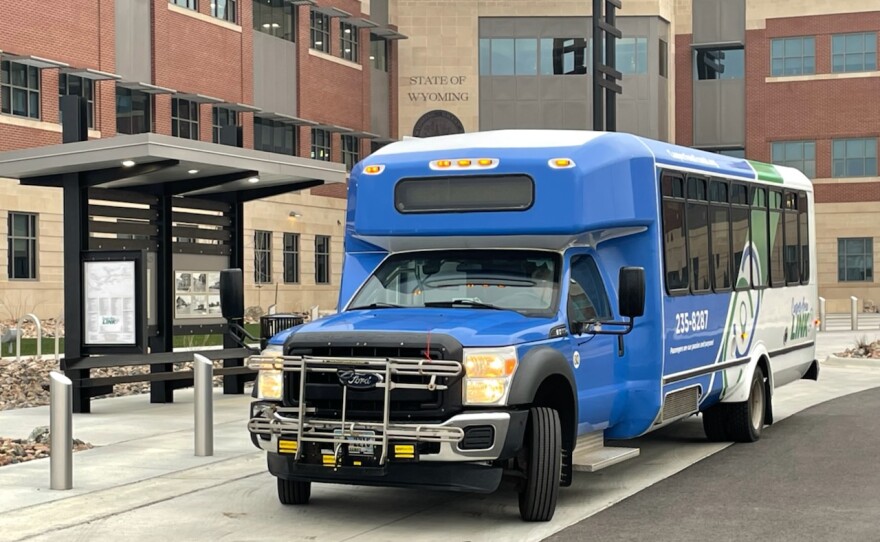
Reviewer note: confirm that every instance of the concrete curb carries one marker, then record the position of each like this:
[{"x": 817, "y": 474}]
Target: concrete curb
[{"x": 837, "y": 361}]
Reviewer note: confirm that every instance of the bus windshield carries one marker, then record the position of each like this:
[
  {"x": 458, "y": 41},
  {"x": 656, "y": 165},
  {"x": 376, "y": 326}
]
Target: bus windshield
[{"x": 519, "y": 280}]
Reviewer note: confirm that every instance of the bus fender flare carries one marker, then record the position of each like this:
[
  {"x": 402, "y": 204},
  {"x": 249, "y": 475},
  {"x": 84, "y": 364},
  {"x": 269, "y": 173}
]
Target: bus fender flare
[
  {"x": 534, "y": 369},
  {"x": 740, "y": 391}
]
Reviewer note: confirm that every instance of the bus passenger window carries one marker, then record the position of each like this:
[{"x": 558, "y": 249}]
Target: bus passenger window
[
  {"x": 719, "y": 219},
  {"x": 804, "y": 232},
  {"x": 760, "y": 234},
  {"x": 739, "y": 220},
  {"x": 698, "y": 233},
  {"x": 587, "y": 300},
  {"x": 674, "y": 232},
  {"x": 776, "y": 240},
  {"x": 792, "y": 266}
]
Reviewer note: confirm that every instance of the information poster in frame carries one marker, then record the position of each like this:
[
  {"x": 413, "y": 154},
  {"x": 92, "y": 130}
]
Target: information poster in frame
[
  {"x": 114, "y": 302},
  {"x": 197, "y": 294}
]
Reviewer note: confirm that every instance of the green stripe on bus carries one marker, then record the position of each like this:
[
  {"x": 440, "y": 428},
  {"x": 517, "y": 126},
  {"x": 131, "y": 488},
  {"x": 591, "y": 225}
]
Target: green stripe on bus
[{"x": 766, "y": 172}]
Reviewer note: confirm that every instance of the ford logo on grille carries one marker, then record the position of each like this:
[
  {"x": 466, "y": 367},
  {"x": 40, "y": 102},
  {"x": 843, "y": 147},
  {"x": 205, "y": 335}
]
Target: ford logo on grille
[{"x": 358, "y": 381}]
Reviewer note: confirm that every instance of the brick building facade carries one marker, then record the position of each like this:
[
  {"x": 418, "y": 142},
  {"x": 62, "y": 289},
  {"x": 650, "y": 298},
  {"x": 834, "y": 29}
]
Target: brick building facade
[{"x": 189, "y": 68}]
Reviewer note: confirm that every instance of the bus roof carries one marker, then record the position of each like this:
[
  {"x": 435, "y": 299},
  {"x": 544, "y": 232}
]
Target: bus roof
[{"x": 505, "y": 143}]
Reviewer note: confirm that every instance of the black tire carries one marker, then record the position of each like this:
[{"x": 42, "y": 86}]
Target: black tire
[
  {"x": 739, "y": 422},
  {"x": 715, "y": 423},
  {"x": 294, "y": 492},
  {"x": 537, "y": 497}
]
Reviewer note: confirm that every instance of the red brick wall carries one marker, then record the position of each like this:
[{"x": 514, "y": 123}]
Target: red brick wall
[
  {"x": 196, "y": 56},
  {"x": 812, "y": 110},
  {"x": 847, "y": 192},
  {"x": 83, "y": 35},
  {"x": 684, "y": 91}
]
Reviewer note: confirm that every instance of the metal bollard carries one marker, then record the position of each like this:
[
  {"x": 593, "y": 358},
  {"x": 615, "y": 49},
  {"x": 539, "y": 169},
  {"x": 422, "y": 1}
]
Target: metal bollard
[
  {"x": 60, "y": 432},
  {"x": 854, "y": 312},
  {"x": 821, "y": 314},
  {"x": 204, "y": 405}
]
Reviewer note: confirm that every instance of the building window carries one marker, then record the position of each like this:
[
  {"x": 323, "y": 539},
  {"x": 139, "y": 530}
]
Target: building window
[
  {"x": 796, "y": 154},
  {"x": 291, "y": 258},
  {"x": 184, "y": 118},
  {"x": 348, "y": 41},
  {"x": 72, "y": 85},
  {"x": 350, "y": 151},
  {"x": 664, "y": 59},
  {"x": 221, "y": 117},
  {"x": 321, "y": 147},
  {"x": 224, "y": 9},
  {"x": 631, "y": 55},
  {"x": 855, "y": 259},
  {"x": 322, "y": 259},
  {"x": 736, "y": 152},
  {"x": 133, "y": 111},
  {"x": 276, "y": 18},
  {"x": 719, "y": 64},
  {"x": 262, "y": 257},
  {"x": 854, "y": 52},
  {"x": 19, "y": 89},
  {"x": 793, "y": 56},
  {"x": 854, "y": 157},
  {"x": 378, "y": 53},
  {"x": 189, "y": 4},
  {"x": 22, "y": 228},
  {"x": 320, "y": 29},
  {"x": 273, "y": 136},
  {"x": 563, "y": 56}
]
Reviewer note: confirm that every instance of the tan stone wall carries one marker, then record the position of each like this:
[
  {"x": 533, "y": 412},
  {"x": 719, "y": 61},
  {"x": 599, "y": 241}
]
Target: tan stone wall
[
  {"x": 320, "y": 216},
  {"x": 444, "y": 41},
  {"x": 834, "y": 221},
  {"x": 44, "y": 295}
]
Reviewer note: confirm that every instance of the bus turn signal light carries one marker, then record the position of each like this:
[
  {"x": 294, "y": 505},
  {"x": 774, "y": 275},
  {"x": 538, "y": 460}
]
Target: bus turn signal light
[{"x": 373, "y": 170}]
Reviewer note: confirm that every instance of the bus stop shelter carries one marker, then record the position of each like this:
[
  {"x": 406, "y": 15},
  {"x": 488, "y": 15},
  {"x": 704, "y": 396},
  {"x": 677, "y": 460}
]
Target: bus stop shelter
[{"x": 149, "y": 222}]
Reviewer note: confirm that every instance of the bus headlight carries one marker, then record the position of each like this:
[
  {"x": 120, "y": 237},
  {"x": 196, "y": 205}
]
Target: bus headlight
[
  {"x": 269, "y": 378},
  {"x": 488, "y": 374}
]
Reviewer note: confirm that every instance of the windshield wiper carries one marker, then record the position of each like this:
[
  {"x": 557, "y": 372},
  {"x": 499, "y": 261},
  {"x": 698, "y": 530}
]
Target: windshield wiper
[
  {"x": 465, "y": 302},
  {"x": 379, "y": 305}
]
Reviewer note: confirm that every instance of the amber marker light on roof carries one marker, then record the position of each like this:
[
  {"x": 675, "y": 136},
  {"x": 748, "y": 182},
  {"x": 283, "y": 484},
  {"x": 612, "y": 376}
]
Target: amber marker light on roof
[
  {"x": 485, "y": 161},
  {"x": 464, "y": 163},
  {"x": 561, "y": 163},
  {"x": 444, "y": 163},
  {"x": 373, "y": 170}
]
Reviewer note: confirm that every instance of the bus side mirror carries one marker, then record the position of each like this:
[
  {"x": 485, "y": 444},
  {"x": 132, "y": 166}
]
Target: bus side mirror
[{"x": 631, "y": 293}]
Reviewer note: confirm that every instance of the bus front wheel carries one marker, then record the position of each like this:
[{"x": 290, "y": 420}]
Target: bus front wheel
[
  {"x": 739, "y": 422},
  {"x": 537, "y": 496},
  {"x": 294, "y": 492}
]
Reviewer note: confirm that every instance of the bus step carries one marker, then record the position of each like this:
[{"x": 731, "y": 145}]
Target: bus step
[{"x": 591, "y": 454}]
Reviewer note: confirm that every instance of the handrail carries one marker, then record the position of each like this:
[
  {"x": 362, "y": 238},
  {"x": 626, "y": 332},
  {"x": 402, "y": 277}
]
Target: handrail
[
  {"x": 23, "y": 319},
  {"x": 58, "y": 322}
]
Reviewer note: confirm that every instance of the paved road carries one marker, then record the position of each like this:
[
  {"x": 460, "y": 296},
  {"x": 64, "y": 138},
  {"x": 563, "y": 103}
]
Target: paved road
[{"x": 813, "y": 476}]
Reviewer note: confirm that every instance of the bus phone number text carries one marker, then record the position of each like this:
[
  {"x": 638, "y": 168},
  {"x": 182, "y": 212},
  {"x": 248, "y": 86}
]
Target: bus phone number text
[{"x": 685, "y": 322}]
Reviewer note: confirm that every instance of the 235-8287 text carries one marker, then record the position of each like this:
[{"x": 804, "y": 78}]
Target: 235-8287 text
[{"x": 685, "y": 322}]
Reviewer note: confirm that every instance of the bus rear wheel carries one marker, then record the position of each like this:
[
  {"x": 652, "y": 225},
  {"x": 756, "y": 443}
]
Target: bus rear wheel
[
  {"x": 537, "y": 497},
  {"x": 739, "y": 422},
  {"x": 294, "y": 492}
]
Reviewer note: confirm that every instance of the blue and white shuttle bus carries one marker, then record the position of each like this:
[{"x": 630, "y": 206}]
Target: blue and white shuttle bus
[{"x": 510, "y": 300}]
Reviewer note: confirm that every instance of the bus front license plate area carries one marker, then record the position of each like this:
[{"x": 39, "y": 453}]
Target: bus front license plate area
[{"x": 358, "y": 443}]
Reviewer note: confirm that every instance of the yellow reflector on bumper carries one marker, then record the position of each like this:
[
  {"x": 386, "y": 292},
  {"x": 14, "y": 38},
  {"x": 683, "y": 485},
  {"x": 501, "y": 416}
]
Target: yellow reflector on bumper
[{"x": 287, "y": 446}]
